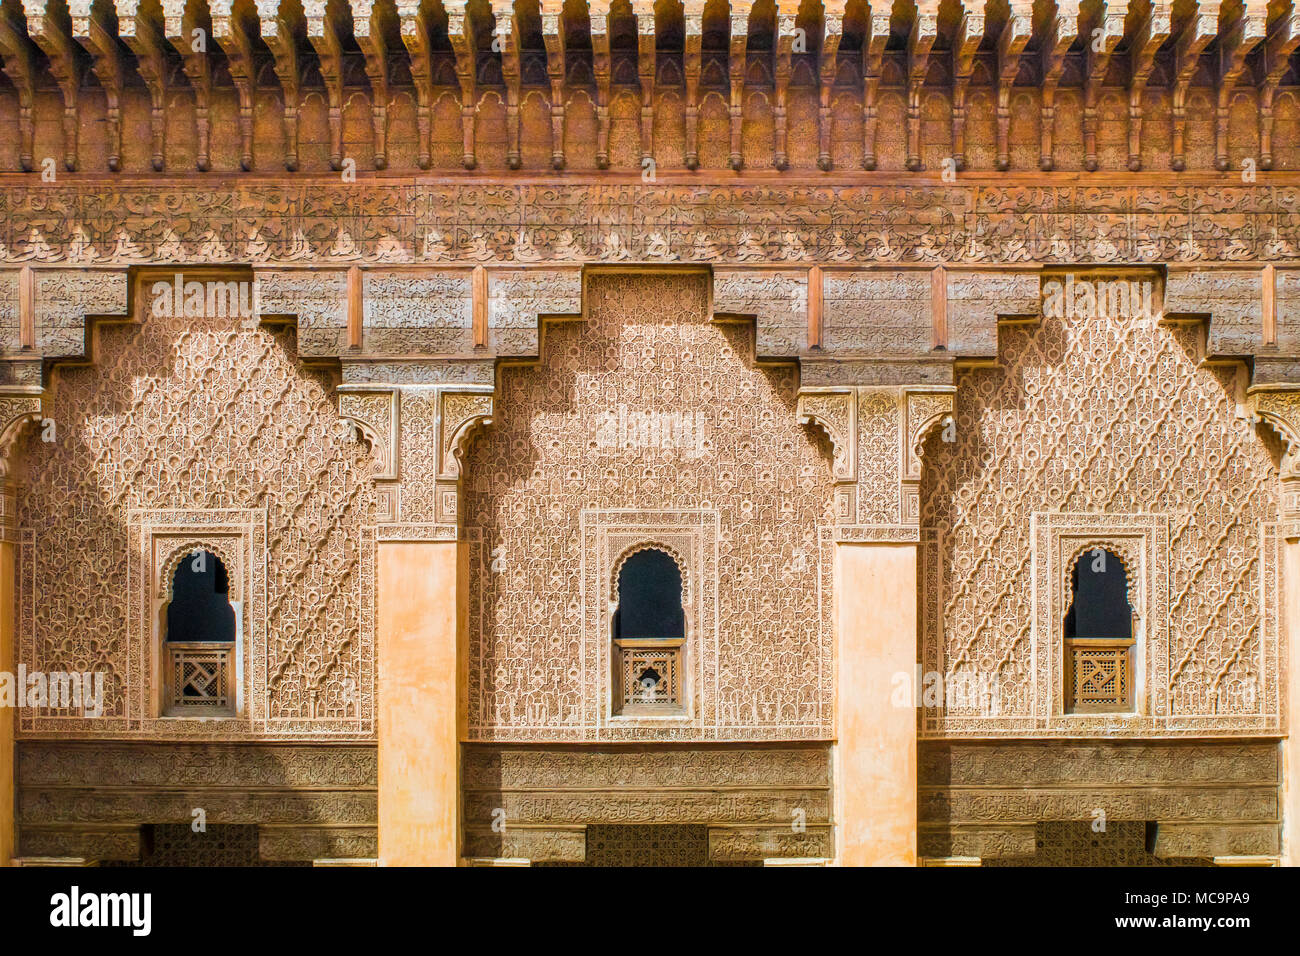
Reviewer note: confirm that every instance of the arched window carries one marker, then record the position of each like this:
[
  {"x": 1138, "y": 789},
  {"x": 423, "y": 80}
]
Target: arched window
[
  {"x": 1099, "y": 635},
  {"x": 199, "y": 639},
  {"x": 649, "y": 635},
  {"x": 200, "y": 606}
]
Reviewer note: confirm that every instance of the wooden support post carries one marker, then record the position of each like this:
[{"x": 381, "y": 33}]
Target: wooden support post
[
  {"x": 356, "y": 307},
  {"x": 815, "y": 307},
  {"x": 480, "y": 306},
  {"x": 27, "y": 308},
  {"x": 939, "y": 306}
]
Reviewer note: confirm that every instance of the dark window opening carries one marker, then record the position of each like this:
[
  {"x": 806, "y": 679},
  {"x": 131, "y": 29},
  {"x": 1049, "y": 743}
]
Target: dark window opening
[
  {"x": 1099, "y": 597},
  {"x": 200, "y": 608},
  {"x": 649, "y": 598}
]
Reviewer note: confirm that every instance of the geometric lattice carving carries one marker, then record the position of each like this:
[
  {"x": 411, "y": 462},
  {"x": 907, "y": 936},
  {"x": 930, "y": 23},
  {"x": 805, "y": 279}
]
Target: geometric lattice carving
[
  {"x": 200, "y": 432},
  {"x": 645, "y": 422},
  {"x": 654, "y": 845},
  {"x": 1069, "y": 843},
  {"x": 222, "y": 844},
  {"x": 1097, "y": 675},
  {"x": 201, "y": 678},
  {"x": 1110, "y": 418},
  {"x": 650, "y": 680}
]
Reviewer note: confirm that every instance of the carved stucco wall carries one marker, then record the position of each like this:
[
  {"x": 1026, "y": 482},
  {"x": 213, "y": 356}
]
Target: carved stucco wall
[
  {"x": 1102, "y": 426},
  {"x": 197, "y": 428},
  {"x": 645, "y": 421}
]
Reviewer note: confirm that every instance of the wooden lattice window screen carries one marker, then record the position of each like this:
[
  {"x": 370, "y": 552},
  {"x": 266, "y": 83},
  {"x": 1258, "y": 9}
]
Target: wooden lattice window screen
[
  {"x": 1099, "y": 675},
  {"x": 200, "y": 678},
  {"x": 649, "y": 671}
]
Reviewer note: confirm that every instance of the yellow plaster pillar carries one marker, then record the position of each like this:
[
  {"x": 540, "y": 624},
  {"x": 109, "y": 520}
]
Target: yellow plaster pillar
[
  {"x": 421, "y": 615},
  {"x": 1291, "y": 689},
  {"x": 875, "y": 750}
]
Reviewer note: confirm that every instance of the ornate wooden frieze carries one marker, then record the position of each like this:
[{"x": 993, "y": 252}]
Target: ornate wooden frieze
[
  {"x": 751, "y": 88},
  {"x": 416, "y": 221}
]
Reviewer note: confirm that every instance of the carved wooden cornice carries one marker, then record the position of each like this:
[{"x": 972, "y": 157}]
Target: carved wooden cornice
[
  {"x": 1151, "y": 35},
  {"x": 911, "y": 54}
]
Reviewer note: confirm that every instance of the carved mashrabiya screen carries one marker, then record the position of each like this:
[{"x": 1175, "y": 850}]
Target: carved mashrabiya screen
[
  {"x": 646, "y": 423},
  {"x": 187, "y": 424},
  {"x": 1105, "y": 426}
]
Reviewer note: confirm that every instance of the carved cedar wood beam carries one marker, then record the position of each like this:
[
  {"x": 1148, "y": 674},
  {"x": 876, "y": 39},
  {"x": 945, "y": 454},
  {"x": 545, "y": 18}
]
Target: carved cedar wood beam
[
  {"x": 323, "y": 34},
  {"x": 414, "y": 27},
  {"x": 737, "y": 62},
  {"x": 94, "y": 29},
  {"x": 16, "y": 51},
  {"x": 464, "y": 44},
  {"x": 646, "y": 64},
  {"x": 965, "y": 43},
  {"x": 1246, "y": 33},
  {"x": 784, "y": 43},
  {"x": 507, "y": 38},
  {"x": 873, "y": 55},
  {"x": 1200, "y": 30},
  {"x": 144, "y": 36},
  {"x": 691, "y": 65},
  {"x": 1105, "y": 35},
  {"x": 1011, "y": 43},
  {"x": 1061, "y": 33},
  {"x": 280, "y": 34},
  {"x": 554, "y": 38},
  {"x": 1283, "y": 37},
  {"x": 368, "y": 25},
  {"x": 828, "y": 68},
  {"x": 924, "y": 32},
  {"x": 601, "y": 66},
  {"x": 52, "y": 32},
  {"x": 1151, "y": 33},
  {"x": 235, "y": 35},
  {"x": 180, "y": 26}
]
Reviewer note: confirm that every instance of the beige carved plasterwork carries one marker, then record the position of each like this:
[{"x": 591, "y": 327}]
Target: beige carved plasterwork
[
  {"x": 433, "y": 425},
  {"x": 19, "y": 406},
  {"x": 877, "y": 437},
  {"x": 1114, "y": 417},
  {"x": 375, "y": 414},
  {"x": 644, "y": 406},
  {"x": 183, "y": 418},
  {"x": 1279, "y": 408}
]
